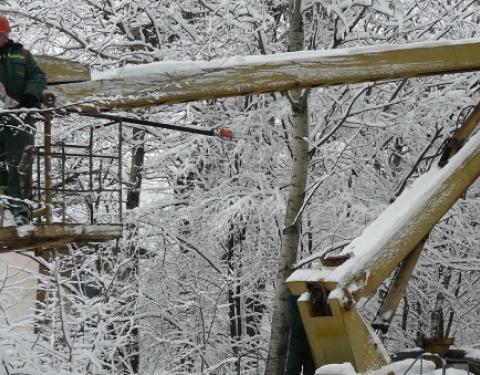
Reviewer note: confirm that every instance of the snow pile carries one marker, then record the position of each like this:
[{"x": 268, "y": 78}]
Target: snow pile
[
  {"x": 473, "y": 353},
  {"x": 308, "y": 275},
  {"x": 8, "y": 220},
  {"x": 337, "y": 368},
  {"x": 25, "y": 230},
  {"x": 406, "y": 367},
  {"x": 163, "y": 67}
]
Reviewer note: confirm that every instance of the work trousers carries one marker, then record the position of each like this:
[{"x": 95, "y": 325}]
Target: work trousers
[
  {"x": 299, "y": 356},
  {"x": 15, "y": 166}
]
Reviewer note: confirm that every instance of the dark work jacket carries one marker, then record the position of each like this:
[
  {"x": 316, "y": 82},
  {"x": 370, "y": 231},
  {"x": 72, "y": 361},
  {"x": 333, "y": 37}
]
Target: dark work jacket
[{"x": 20, "y": 73}]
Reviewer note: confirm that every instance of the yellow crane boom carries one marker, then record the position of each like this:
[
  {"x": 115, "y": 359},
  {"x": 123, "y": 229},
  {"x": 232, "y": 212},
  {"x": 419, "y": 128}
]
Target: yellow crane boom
[{"x": 176, "y": 82}]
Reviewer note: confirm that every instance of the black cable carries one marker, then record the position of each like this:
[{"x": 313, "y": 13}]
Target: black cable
[
  {"x": 115, "y": 118},
  {"x": 151, "y": 123}
]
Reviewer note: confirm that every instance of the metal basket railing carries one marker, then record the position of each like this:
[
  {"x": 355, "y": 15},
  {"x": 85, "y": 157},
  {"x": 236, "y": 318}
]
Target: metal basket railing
[{"x": 78, "y": 182}]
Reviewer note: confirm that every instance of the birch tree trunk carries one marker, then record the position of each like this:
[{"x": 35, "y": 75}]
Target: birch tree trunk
[
  {"x": 437, "y": 318},
  {"x": 292, "y": 228},
  {"x": 129, "y": 361}
]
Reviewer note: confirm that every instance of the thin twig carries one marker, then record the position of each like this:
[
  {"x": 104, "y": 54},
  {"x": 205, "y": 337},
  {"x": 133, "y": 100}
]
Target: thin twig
[{"x": 403, "y": 184}]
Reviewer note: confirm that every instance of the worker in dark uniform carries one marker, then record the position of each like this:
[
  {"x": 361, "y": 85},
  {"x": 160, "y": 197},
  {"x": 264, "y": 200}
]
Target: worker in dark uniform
[
  {"x": 23, "y": 83},
  {"x": 299, "y": 356}
]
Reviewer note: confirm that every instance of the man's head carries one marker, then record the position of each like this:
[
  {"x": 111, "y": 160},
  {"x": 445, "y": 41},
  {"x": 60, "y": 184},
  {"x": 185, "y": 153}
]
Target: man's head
[{"x": 4, "y": 29}]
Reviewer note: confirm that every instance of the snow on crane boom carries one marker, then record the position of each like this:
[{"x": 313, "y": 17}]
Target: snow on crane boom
[{"x": 176, "y": 82}]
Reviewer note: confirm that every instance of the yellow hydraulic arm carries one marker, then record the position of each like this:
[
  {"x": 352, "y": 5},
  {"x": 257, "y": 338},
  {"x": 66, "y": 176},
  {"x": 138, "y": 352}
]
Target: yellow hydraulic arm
[
  {"x": 176, "y": 82},
  {"x": 335, "y": 331},
  {"x": 402, "y": 275}
]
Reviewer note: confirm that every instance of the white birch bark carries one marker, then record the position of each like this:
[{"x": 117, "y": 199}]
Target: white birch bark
[{"x": 292, "y": 228}]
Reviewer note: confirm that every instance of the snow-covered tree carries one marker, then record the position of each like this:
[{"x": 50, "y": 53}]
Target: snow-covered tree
[{"x": 194, "y": 280}]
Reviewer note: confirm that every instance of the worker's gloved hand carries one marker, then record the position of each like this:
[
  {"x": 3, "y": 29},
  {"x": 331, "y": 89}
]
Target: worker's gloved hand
[{"x": 28, "y": 101}]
